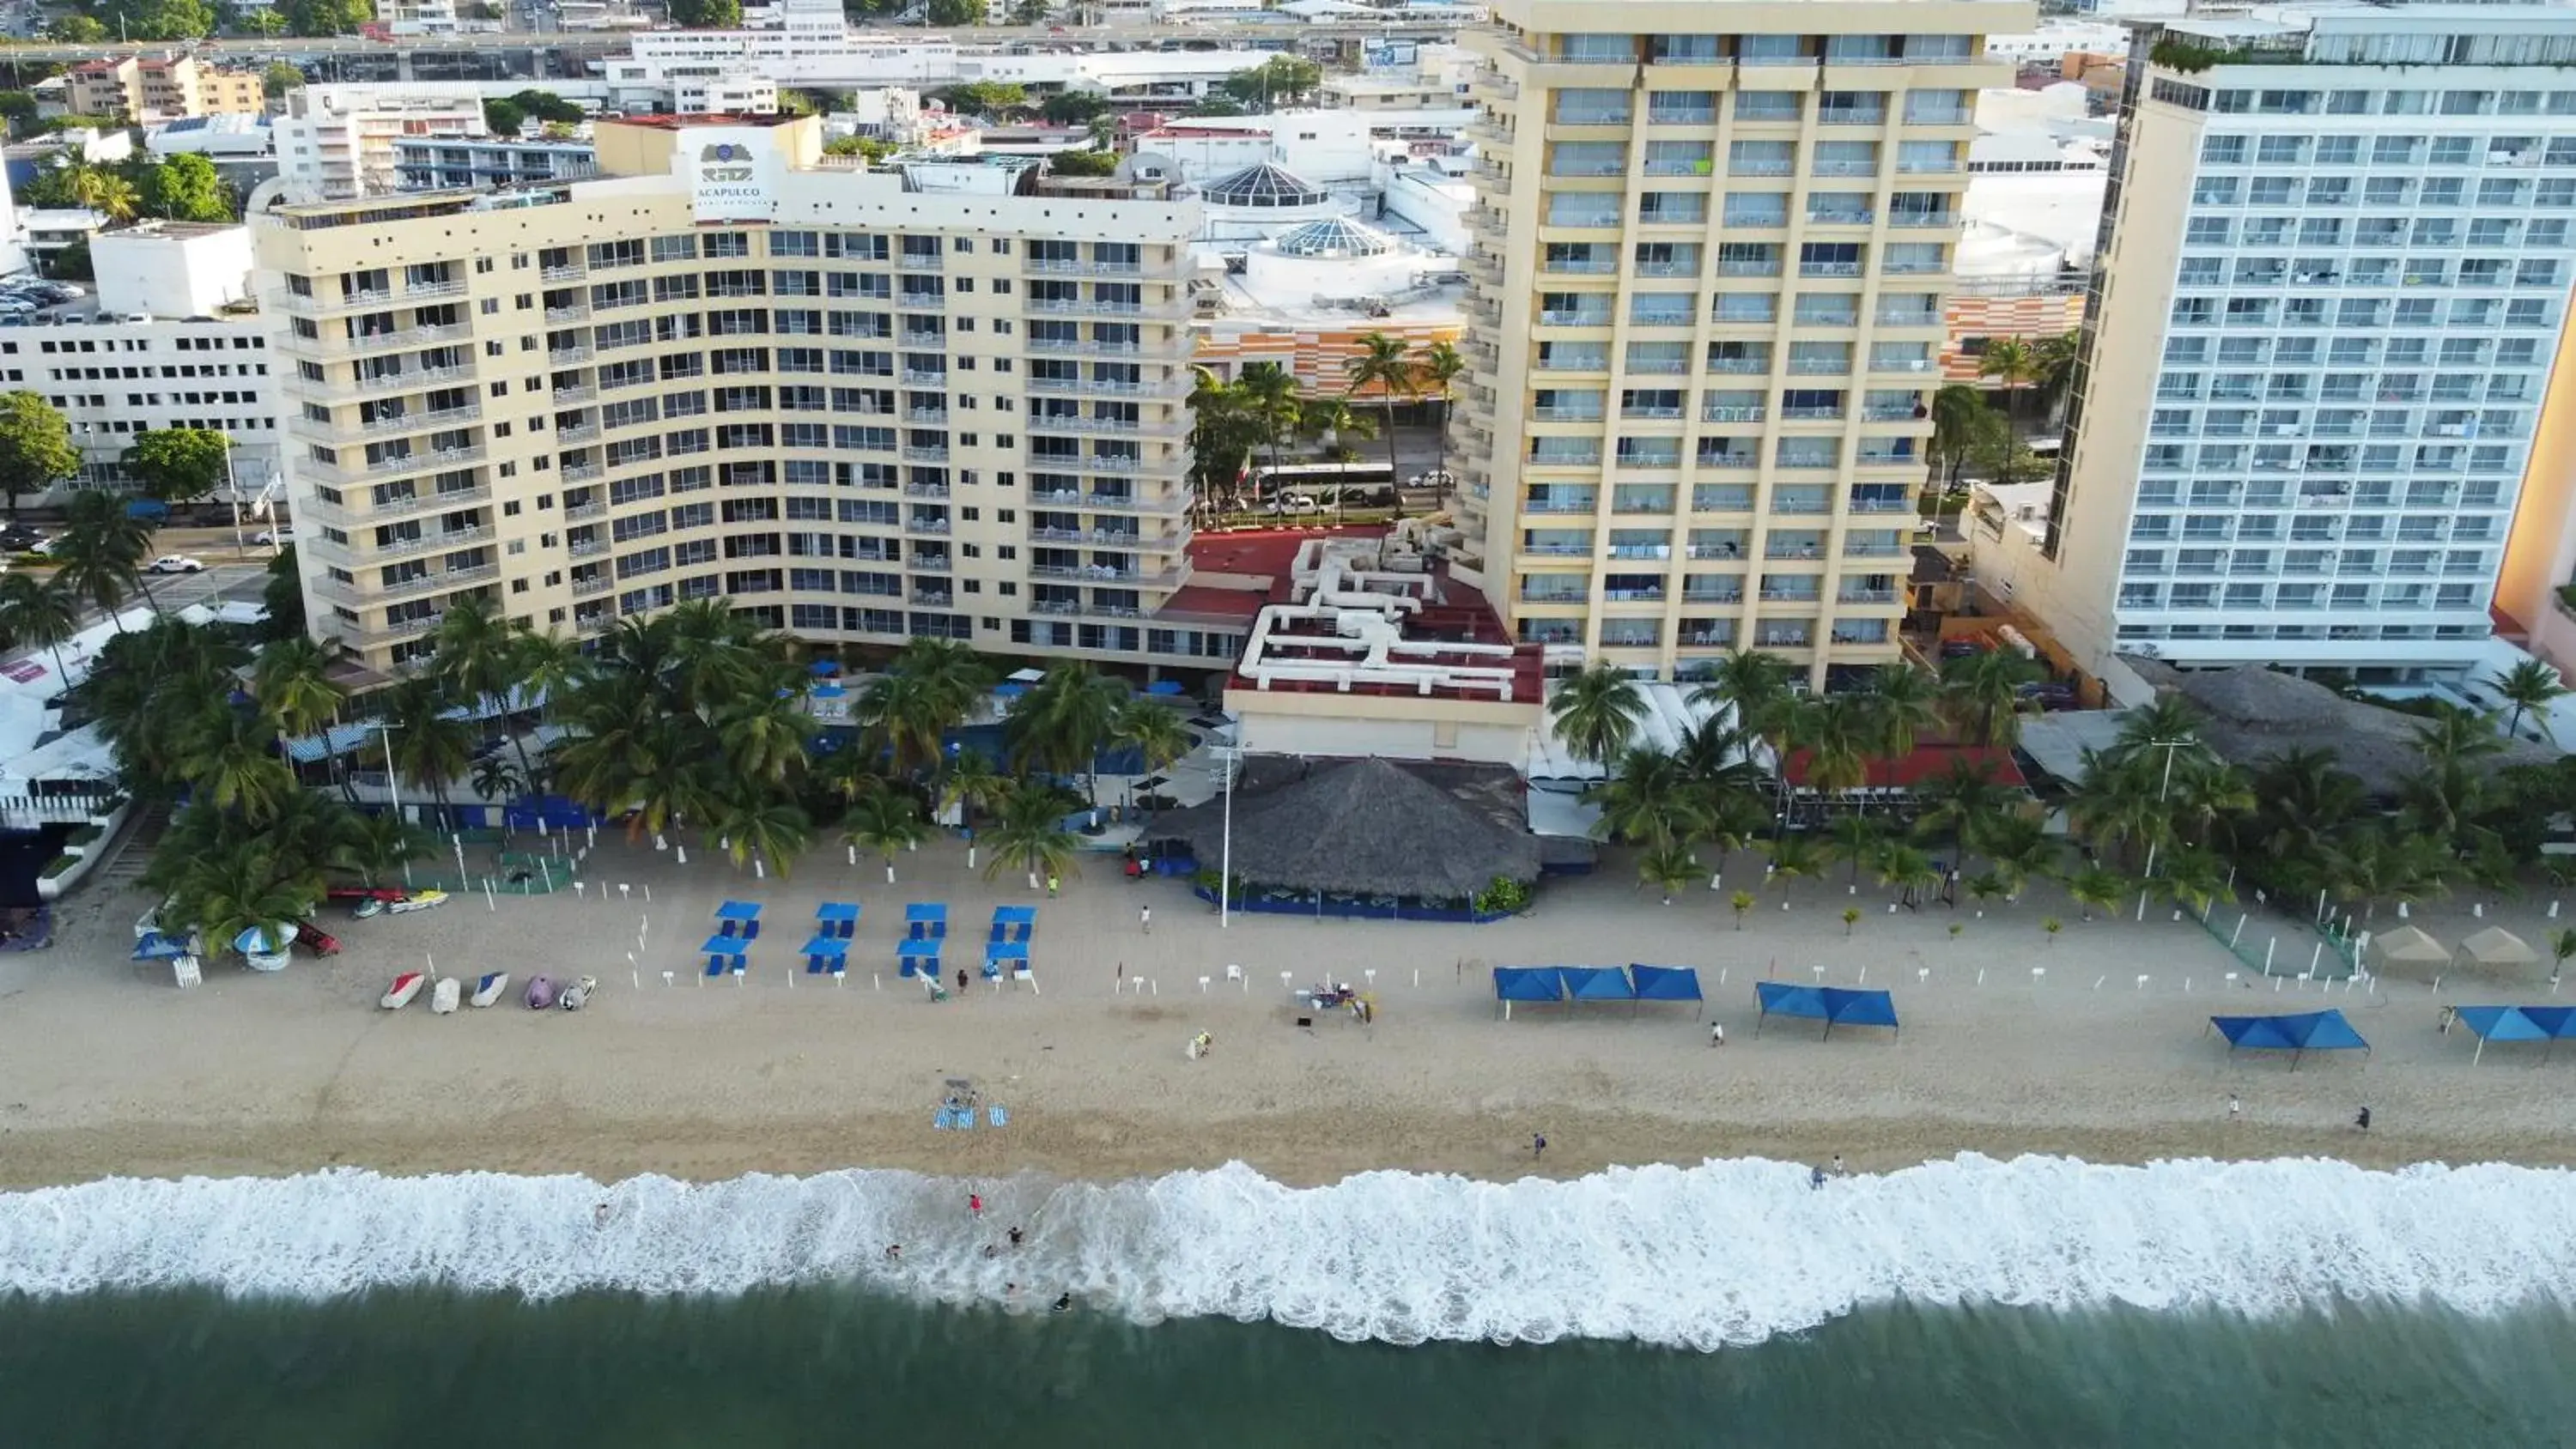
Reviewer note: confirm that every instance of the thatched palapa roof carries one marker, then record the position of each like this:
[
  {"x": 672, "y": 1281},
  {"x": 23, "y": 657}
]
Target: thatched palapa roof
[
  {"x": 2255, "y": 714},
  {"x": 1362, "y": 827}
]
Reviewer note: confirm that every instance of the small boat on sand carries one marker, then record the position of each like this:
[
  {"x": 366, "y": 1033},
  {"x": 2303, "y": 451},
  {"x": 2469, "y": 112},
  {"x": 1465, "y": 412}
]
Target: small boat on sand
[
  {"x": 541, "y": 993},
  {"x": 405, "y": 987},
  {"x": 488, "y": 990},
  {"x": 442, "y": 998}
]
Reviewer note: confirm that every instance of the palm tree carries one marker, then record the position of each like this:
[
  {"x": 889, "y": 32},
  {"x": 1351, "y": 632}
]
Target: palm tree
[
  {"x": 1153, "y": 729},
  {"x": 1031, "y": 836},
  {"x": 2094, "y": 888},
  {"x": 1436, "y": 370},
  {"x": 1981, "y": 696},
  {"x": 1854, "y": 840},
  {"x": 2010, "y": 362},
  {"x": 2194, "y": 878},
  {"x": 1754, "y": 687},
  {"x": 291, "y": 679},
  {"x": 2529, "y": 685},
  {"x": 972, "y": 783},
  {"x": 101, "y": 552},
  {"x": 497, "y": 778},
  {"x": 375, "y": 844},
  {"x": 932, "y": 687},
  {"x": 1838, "y": 735},
  {"x": 1668, "y": 866},
  {"x": 105, "y": 192},
  {"x": 1388, "y": 367},
  {"x": 476, "y": 650},
  {"x": 431, "y": 749},
  {"x": 1064, "y": 721},
  {"x": 1269, "y": 394},
  {"x": 2053, "y": 360},
  {"x": 1596, "y": 712},
  {"x": 235, "y": 766},
  {"x": 37, "y": 614},
  {"x": 1905, "y": 869},
  {"x": 1331, "y": 421},
  {"x": 765, "y": 737},
  {"x": 757, "y": 828},
  {"x": 1963, "y": 425},
  {"x": 1903, "y": 702},
  {"x": 1987, "y": 887},
  {"x": 2018, "y": 850},
  {"x": 1960, "y": 804},
  {"x": 1223, "y": 433},
  {"x": 1648, "y": 800},
  {"x": 224, "y": 893},
  {"x": 886, "y": 823},
  {"x": 1792, "y": 856}
]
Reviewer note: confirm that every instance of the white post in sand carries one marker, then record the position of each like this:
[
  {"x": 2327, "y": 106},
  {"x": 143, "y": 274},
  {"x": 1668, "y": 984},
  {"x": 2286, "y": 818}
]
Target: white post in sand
[
  {"x": 2268, "y": 948},
  {"x": 459, "y": 842},
  {"x": 625, "y": 892},
  {"x": 2143, "y": 980},
  {"x": 1203, "y": 986},
  {"x": 580, "y": 890},
  {"x": 681, "y": 854},
  {"x": 1288, "y": 982},
  {"x": 2233, "y": 936},
  {"x": 854, "y": 854},
  {"x": 488, "y": 903},
  {"x": 2315, "y": 956},
  {"x": 433, "y": 967}
]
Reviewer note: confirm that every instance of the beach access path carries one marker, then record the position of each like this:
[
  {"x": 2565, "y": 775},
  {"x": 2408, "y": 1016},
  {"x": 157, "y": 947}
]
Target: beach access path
[{"x": 107, "y": 1069}]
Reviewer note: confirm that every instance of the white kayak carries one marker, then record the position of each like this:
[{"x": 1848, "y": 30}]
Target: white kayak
[
  {"x": 489, "y": 989},
  {"x": 442, "y": 998},
  {"x": 405, "y": 987}
]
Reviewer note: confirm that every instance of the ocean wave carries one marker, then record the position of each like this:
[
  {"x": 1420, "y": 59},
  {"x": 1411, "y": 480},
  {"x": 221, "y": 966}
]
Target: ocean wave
[{"x": 1728, "y": 1252}]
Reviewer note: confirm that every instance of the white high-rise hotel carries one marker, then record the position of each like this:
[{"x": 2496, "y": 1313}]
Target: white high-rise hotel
[{"x": 2333, "y": 278}]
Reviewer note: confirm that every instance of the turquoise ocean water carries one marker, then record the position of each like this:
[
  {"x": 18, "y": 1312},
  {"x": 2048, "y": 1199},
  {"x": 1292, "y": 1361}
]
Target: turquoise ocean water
[{"x": 2035, "y": 1302}]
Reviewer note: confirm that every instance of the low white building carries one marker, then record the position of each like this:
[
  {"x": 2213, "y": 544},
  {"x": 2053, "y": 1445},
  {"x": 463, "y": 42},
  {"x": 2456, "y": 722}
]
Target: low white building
[
  {"x": 49, "y": 230},
  {"x": 227, "y": 137},
  {"x": 112, "y": 378},
  {"x": 171, "y": 269},
  {"x": 457, "y": 163}
]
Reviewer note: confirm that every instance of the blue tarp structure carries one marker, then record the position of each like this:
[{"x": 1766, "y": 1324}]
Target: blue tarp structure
[
  {"x": 1833, "y": 1005},
  {"x": 837, "y": 918},
  {"x": 1163, "y": 688},
  {"x": 918, "y": 958},
  {"x": 824, "y": 666},
  {"x": 1597, "y": 983},
  {"x": 739, "y": 918},
  {"x": 1014, "y": 923},
  {"x": 1001, "y": 956},
  {"x": 727, "y": 953},
  {"x": 153, "y": 946},
  {"x": 2297, "y": 1033},
  {"x": 925, "y": 920},
  {"x": 827, "y": 953},
  {"x": 1527, "y": 983},
  {"x": 1666, "y": 983},
  {"x": 2517, "y": 1023}
]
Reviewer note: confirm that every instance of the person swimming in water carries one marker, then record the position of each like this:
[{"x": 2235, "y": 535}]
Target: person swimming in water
[
  {"x": 1015, "y": 1237},
  {"x": 1064, "y": 1303}
]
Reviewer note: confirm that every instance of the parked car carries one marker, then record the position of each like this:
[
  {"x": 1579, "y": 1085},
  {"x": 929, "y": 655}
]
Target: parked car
[
  {"x": 274, "y": 537},
  {"x": 176, "y": 563}
]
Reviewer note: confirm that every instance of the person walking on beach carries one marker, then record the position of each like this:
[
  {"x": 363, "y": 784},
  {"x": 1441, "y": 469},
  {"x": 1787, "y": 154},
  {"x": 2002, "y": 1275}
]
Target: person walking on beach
[
  {"x": 1538, "y": 1145},
  {"x": 1051, "y": 885},
  {"x": 961, "y": 980},
  {"x": 1717, "y": 1033},
  {"x": 2235, "y": 1109},
  {"x": 1839, "y": 1169},
  {"x": 1815, "y": 1179},
  {"x": 1015, "y": 1236},
  {"x": 2363, "y": 1121},
  {"x": 1145, "y": 918},
  {"x": 975, "y": 1204}
]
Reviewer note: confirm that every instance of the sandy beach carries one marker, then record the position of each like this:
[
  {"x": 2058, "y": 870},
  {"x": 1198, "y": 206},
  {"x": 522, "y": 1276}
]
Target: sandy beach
[{"x": 105, "y": 1069}]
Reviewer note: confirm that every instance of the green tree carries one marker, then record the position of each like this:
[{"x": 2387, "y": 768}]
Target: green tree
[
  {"x": 72, "y": 264},
  {"x": 1083, "y": 163},
  {"x": 1031, "y": 13},
  {"x": 866, "y": 148},
  {"x": 155, "y": 19},
  {"x": 1981, "y": 695},
  {"x": 954, "y": 13},
  {"x": 1436, "y": 370},
  {"x": 886, "y": 823},
  {"x": 1647, "y": 799},
  {"x": 755, "y": 828},
  {"x": 1224, "y": 431},
  {"x": 1386, "y": 365},
  {"x": 706, "y": 14},
  {"x": 504, "y": 117},
  {"x": 1668, "y": 866},
  {"x": 981, "y": 98},
  {"x": 75, "y": 30},
  {"x": 105, "y": 192},
  {"x": 432, "y": 750},
  {"x": 282, "y": 595},
  {"x": 1153, "y": 729},
  {"x": 235, "y": 766},
  {"x": 2053, "y": 360},
  {"x": 279, "y": 77},
  {"x": 178, "y": 465},
  {"x": 1280, "y": 80},
  {"x": 2096, "y": 889},
  {"x": 1597, "y": 712},
  {"x": 547, "y": 106},
  {"x": 35, "y": 446},
  {"x": 1064, "y": 721},
  {"x": 1069, "y": 108},
  {"x": 2011, "y": 362},
  {"x": 263, "y": 21},
  {"x": 19, "y": 107},
  {"x": 37, "y": 614},
  {"x": 291, "y": 682},
  {"x": 1963, "y": 428},
  {"x": 1031, "y": 836},
  {"x": 224, "y": 893},
  {"x": 2527, "y": 686}
]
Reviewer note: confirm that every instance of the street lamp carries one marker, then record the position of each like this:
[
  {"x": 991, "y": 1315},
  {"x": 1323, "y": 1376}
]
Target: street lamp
[
  {"x": 393, "y": 784},
  {"x": 2163, "y": 792},
  {"x": 1229, "y": 757}
]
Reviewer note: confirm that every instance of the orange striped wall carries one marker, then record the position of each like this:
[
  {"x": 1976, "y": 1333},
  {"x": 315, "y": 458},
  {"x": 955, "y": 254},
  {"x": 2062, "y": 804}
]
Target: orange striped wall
[
  {"x": 1318, "y": 359},
  {"x": 2020, "y": 316}
]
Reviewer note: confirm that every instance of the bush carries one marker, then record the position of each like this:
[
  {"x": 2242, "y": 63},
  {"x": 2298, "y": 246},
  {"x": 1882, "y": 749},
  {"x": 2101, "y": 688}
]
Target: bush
[
  {"x": 83, "y": 836},
  {"x": 1502, "y": 896},
  {"x": 2190, "y": 57},
  {"x": 57, "y": 866}
]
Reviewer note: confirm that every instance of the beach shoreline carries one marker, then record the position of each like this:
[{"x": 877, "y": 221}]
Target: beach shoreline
[{"x": 2015, "y": 1041}]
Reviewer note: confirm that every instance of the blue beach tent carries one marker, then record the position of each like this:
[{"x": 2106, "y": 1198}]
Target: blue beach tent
[
  {"x": 918, "y": 958},
  {"x": 1002, "y": 956},
  {"x": 2516, "y": 1023},
  {"x": 727, "y": 953},
  {"x": 1666, "y": 983},
  {"x": 1598, "y": 983},
  {"x": 1833, "y": 1005},
  {"x": 1527, "y": 983},
  {"x": 1014, "y": 923},
  {"x": 739, "y": 918},
  {"x": 827, "y": 953},
  {"x": 837, "y": 918},
  {"x": 2297, "y": 1033},
  {"x": 925, "y": 920}
]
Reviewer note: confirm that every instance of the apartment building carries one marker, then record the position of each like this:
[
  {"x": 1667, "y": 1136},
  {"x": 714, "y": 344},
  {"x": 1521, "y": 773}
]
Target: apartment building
[
  {"x": 337, "y": 142},
  {"x": 2332, "y": 286},
  {"x": 462, "y": 163},
  {"x": 1708, "y": 275},
  {"x": 860, "y": 411},
  {"x": 147, "y": 89}
]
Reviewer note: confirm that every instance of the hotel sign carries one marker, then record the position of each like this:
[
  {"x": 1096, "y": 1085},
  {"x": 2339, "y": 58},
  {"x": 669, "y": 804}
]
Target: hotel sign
[{"x": 732, "y": 172}]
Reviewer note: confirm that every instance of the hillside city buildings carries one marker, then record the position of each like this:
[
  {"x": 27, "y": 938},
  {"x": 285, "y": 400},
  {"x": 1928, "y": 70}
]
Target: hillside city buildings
[
  {"x": 147, "y": 90},
  {"x": 1709, "y": 275}
]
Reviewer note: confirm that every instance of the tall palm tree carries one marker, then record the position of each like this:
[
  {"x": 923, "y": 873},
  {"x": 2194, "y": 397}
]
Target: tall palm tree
[
  {"x": 886, "y": 823},
  {"x": 2304, "y": 802},
  {"x": 1436, "y": 370},
  {"x": 1668, "y": 866},
  {"x": 1854, "y": 840},
  {"x": 235, "y": 766},
  {"x": 1754, "y": 687},
  {"x": 1269, "y": 394},
  {"x": 1385, "y": 364},
  {"x": 1223, "y": 433},
  {"x": 2053, "y": 360},
  {"x": 291, "y": 680},
  {"x": 38, "y": 614},
  {"x": 105, "y": 192},
  {"x": 971, "y": 783},
  {"x": 1959, "y": 805},
  {"x": 1903, "y": 702},
  {"x": 2095, "y": 888},
  {"x": 1596, "y": 712},
  {"x": 1031, "y": 836},
  {"x": 2010, "y": 362},
  {"x": 1793, "y": 856},
  {"x": 1839, "y": 733},
  {"x": 431, "y": 749},
  {"x": 2018, "y": 850},
  {"x": 756, "y": 827},
  {"x": 223, "y": 893},
  {"x": 1963, "y": 425},
  {"x": 931, "y": 687},
  {"x": 101, "y": 552},
  {"x": 376, "y": 844},
  {"x": 1981, "y": 696},
  {"x": 2527, "y": 686},
  {"x": 1904, "y": 869},
  {"x": 765, "y": 737},
  {"x": 1064, "y": 721},
  {"x": 1153, "y": 729},
  {"x": 1648, "y": 800},
  {"x": 1331, "y": 421}
]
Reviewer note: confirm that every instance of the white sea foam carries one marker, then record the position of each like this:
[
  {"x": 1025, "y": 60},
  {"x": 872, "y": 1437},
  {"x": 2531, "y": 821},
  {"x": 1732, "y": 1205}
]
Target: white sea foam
[{"x": 1729, "y": 1252}]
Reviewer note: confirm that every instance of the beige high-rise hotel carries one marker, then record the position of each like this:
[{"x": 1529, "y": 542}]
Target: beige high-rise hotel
[
  {"x": 1712, "y": 243},
  {"x": 861, "y": 406}
]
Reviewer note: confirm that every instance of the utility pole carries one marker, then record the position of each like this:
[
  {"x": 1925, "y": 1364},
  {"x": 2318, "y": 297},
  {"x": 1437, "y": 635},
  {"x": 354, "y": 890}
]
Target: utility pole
[
  {"x": 1228, "y": 758},
  {"x": 2164, "y": 792}
]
